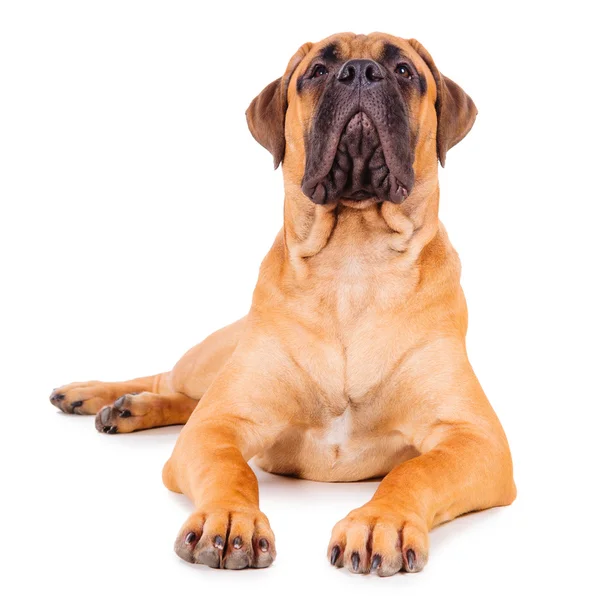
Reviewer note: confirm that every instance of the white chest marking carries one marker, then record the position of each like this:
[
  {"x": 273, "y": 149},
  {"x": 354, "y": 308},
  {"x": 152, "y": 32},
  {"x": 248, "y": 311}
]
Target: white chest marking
[{"x": 339, "y": 430}]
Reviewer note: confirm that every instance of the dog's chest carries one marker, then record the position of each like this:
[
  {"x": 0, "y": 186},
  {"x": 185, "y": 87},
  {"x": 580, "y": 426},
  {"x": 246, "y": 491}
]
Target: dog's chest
[
  {"x": 349, "y": 359},
  {"x": 360, "y": 314},
  {"x": 340, "y": 448},
  {"x": 337, "y": 433}
]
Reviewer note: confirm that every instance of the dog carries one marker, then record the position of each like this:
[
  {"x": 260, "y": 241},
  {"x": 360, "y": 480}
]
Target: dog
[{"x": 351, "y": 363}]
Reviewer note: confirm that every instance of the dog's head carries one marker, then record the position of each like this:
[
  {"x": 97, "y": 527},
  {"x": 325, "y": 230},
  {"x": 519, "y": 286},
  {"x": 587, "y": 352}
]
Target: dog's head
[{"x": 359, "y": 119}]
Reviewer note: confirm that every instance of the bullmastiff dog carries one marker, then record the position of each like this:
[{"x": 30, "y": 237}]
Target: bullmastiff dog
[{"x": 351, "y": 363}]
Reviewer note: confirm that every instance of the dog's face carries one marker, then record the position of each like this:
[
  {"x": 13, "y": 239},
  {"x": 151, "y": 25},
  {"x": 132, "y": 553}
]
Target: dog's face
[{"x": 359, "y": 119}]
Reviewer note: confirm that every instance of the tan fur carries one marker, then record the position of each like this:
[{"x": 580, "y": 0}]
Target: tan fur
[{"x": 351, "y": 364}]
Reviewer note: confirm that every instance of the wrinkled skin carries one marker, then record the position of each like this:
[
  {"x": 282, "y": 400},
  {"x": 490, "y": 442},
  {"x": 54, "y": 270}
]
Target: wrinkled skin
[{"x": 359, "y": 145}]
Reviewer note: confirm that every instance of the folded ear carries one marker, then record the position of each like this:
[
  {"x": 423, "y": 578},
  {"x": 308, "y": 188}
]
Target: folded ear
[
  {"x": 266, "y": 113},
  {"x": 456, "y": 111}
]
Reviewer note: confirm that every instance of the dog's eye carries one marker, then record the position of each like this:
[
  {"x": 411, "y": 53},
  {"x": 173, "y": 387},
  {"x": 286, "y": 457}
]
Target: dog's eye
[
  {"x": 404, "y": 71},
  {"x": 319, "y": 71}
]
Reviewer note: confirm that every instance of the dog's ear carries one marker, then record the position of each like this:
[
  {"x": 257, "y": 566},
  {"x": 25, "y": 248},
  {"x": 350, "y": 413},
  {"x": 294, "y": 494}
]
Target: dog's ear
[
  {"x": 456, "y": 111},
  {"x": 266, "y": 113}
]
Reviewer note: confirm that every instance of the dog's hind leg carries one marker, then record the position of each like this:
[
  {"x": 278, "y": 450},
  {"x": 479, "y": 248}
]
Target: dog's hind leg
[
  {"x": 132, "y": 412},
  {"x": 164, "y": 399},
  {"x": 89, "y": 397},
  {"x": 126, "y": 406}
]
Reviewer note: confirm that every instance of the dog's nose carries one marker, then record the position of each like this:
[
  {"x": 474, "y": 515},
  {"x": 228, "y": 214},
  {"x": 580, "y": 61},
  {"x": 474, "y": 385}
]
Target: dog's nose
[{"x": 361, "y": 71}]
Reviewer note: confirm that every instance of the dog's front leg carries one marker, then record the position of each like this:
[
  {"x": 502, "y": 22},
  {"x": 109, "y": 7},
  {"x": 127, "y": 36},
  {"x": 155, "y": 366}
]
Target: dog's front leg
[
  {"x": 465, "y": 465},
  {"x": 242, "y": 412}
]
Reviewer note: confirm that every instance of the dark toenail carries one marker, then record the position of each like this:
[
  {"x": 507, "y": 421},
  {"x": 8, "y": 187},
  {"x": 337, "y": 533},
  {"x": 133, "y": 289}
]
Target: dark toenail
[
  {"x": 237, "y": 542},
  {"x": 190, "y": 538},
  {"x": 355, "y": 560},
  {"x": 219, "y": 542},
  {"x": 105, "y": 415},
  {"x": 77, "y": 404},
  {"x": 410, "y": 559},
  {"x": 376, "y": 562},
  {"x": 105, "y": 429},
  {"x": 335, "y": 554},
  {"x": 119, "y": 402},
  {"x": 125, "y": 413},
  {"x": 112, "y": 429},
  {"x": 58, "y": 397},
  {"x": 263, "y": 544}
]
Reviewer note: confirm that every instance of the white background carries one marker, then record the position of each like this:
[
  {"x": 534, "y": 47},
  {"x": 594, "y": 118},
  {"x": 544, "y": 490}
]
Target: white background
[{"x": 135, "y": 210}]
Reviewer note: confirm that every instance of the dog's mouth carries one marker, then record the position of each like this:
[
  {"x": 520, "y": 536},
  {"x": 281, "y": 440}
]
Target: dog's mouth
[
  {"x": 361, "y": 161},
  {"x": 357, "y": 168}
]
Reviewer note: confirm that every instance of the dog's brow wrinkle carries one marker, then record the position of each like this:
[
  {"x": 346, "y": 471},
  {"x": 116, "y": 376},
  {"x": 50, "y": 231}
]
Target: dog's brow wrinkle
[
  {"x": 391, "y": 52},
  {"x": 330, "y": 52}
]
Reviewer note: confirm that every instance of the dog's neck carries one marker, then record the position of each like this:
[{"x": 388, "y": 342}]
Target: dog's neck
[{"x": 310, "y": 231}]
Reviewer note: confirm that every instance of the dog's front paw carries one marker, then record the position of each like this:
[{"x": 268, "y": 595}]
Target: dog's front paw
[
  {"x": 372, "y": 539},
  {"x": 227, "y": 539}
]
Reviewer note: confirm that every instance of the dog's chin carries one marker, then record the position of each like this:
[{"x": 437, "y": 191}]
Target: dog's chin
[
  {"x": 359, "y": 199},
  {"x": 358, "y": 174},
  {"x": 358, "y": 204}
]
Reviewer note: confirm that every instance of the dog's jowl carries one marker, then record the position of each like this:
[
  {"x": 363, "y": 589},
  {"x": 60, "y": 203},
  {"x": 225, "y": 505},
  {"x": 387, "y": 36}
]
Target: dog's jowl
[{"x": 351, "y": 363}]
